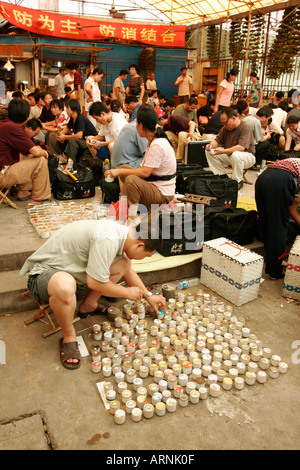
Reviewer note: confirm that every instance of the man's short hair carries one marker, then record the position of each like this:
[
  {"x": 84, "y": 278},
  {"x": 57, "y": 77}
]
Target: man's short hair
[
  {"x": 170, "y": 103},
  {"x": 17, "y": 94},
  {"x": 229, "y": 111},
  {"x": 131, "y": 99},
  {"x": 74, "y": 105},
  {"x": 40, "y": 96},
  {"x": 183, "y": 68},
  {"x": 123, "y": 72},
  {"x": 265, "y": 111},
  {"x": 97, "y": 108},
  {"x": 115, "y": 106},
  {"x": 241, "y": 106},
  {"x": 192, "y": 101},
  {"x": 18, "y": 110},
  {"x": 279, "y": 94},
  {"x": 283, "y": 105},
  {"x": 150, "y": 234},
  {"x": 292, "y": 119},
  {"x": 34, "y": 124},
  {"x": 62, "y": 69},
  {"x": 98, "y": 70},
  {"x": 57, "y": 102}
]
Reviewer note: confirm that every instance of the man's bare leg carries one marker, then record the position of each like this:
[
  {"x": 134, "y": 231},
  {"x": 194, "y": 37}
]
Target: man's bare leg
[
  {"x": 62, "y": 300},
  {"x": 117, "y": 271}
]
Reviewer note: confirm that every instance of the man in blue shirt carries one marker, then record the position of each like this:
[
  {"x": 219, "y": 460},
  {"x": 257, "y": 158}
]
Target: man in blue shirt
[
  {"x": 129, "y": 149},
  {"x": 132, "y": 106},
  {"x": 71, "y": 139}
]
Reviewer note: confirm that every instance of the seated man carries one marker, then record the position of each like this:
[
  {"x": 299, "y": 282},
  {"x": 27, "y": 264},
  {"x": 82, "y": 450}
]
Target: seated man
[
  {"x": 32, "y": 127},
  {"x": 188, "y": 110},
  {"x": 96, "y": 253},
  {"x": 261, "y": 141},
  {"x": 170, "y": 106},
  {"x": 207, "y": 110},
  {"x": 128, "y": 149},
  {"x": 179, "y": 130},
  {"x": 270, "y": 126},
  {"x": 72, "y": 138},
  {"x": 30, "y": 172},
  {"x": 35, "y": 110},
  {"x": 110, "y": 125},
  {"x": 234, "y": 145},
  {"x": 132, "y": 106}
]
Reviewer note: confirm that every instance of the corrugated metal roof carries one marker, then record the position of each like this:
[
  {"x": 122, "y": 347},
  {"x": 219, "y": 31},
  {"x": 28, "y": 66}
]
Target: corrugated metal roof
[{"x": 189, "y": 12}]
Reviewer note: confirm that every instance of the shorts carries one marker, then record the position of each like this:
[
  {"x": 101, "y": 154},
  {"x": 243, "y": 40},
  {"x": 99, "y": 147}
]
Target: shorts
[
  {"x": 38, "y": 284},
  {"x": 103, "y": 152}
]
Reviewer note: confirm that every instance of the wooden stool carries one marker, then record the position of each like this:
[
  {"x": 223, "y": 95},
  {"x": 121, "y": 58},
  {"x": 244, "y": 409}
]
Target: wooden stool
[
  {"x": 3, "y": 197},
  {"x": 44, "y": 312}
]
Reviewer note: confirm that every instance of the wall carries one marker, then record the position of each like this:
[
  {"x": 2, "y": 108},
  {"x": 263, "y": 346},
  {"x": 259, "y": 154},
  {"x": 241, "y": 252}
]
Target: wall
[{"x": 117, "y": 57}]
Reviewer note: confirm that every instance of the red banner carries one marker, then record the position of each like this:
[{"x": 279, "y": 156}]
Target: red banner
[{"x": 72, "y": 27}]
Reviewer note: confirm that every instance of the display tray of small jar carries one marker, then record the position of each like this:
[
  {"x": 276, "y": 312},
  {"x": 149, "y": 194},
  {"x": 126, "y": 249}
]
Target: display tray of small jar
[
  {"x": 49, "y": 217},
  {"x": 194, "y": 350}
]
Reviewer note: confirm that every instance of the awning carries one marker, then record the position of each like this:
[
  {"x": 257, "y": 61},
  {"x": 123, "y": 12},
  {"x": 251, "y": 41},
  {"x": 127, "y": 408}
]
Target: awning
[{"x": 189, "y": 12}]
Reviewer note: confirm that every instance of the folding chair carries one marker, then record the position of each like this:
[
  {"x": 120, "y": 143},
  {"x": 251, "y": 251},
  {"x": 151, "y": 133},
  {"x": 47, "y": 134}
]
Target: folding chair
[
  {"x": 44, "y": 311},
  {"x": 4, "y": 198}
]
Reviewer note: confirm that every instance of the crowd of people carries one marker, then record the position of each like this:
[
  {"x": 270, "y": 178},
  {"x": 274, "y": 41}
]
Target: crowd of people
[{"x": 144, "y": 135}]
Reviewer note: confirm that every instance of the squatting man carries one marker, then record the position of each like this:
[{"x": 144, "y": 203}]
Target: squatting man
[{"x": 96, "y": 253}]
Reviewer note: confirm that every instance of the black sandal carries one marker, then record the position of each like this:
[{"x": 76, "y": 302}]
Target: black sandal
[{"x": 69, "y": 351}]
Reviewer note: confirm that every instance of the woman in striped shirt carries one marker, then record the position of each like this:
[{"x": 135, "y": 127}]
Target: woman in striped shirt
[{"x": 276, "y": 200}]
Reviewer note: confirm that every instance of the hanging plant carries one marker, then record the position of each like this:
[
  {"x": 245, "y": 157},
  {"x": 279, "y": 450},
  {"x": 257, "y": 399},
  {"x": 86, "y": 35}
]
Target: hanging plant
[
  {"x": 286, "y": 45},
  {"x": 237, "y": 41},
  {"x": 256, "y": 40},
  {"x": 212, "y": 42}
]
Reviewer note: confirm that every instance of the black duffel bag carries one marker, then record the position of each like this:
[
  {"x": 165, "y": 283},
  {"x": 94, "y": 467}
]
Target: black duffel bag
[
  {"x": 187, "y": 174},
  {"x": 65, "y": 188},
  {"x": 225, "y": 190},
  {"x": 237, "y": 225},
  {"x": 182, "y": 231}
]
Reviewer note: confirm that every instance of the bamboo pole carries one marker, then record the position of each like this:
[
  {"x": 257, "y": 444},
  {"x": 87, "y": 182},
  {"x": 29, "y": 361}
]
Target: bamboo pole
[{"x": 246, "y": 49}]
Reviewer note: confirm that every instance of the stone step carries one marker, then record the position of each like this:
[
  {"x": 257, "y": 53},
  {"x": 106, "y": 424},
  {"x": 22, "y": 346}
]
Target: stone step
[{"x": 12, "y": 284}]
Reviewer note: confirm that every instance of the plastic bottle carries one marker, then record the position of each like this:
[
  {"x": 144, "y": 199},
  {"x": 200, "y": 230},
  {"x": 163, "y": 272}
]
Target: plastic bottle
[
  {"x": 106, "y": 165},
  {"x": 190, "y": 283},
  {"x": 69, "y": 164}
]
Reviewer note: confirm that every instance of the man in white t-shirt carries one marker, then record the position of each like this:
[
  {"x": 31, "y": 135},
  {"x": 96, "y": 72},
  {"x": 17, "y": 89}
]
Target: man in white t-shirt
[
  {"x": 151, "y": 83},
  {"x": 92, "y": 90},
  {"x": 95, "y": 253},
  {"x": 110, "y": 126},
  {"x": 185, "y": 86}
]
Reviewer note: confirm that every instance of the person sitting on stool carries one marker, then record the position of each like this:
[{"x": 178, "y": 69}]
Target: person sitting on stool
[{"x": 234, "y": 145}]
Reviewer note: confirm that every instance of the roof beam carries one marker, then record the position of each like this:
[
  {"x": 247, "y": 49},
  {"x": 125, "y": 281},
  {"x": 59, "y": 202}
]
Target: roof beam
[{"x": 256, "y": 11}]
